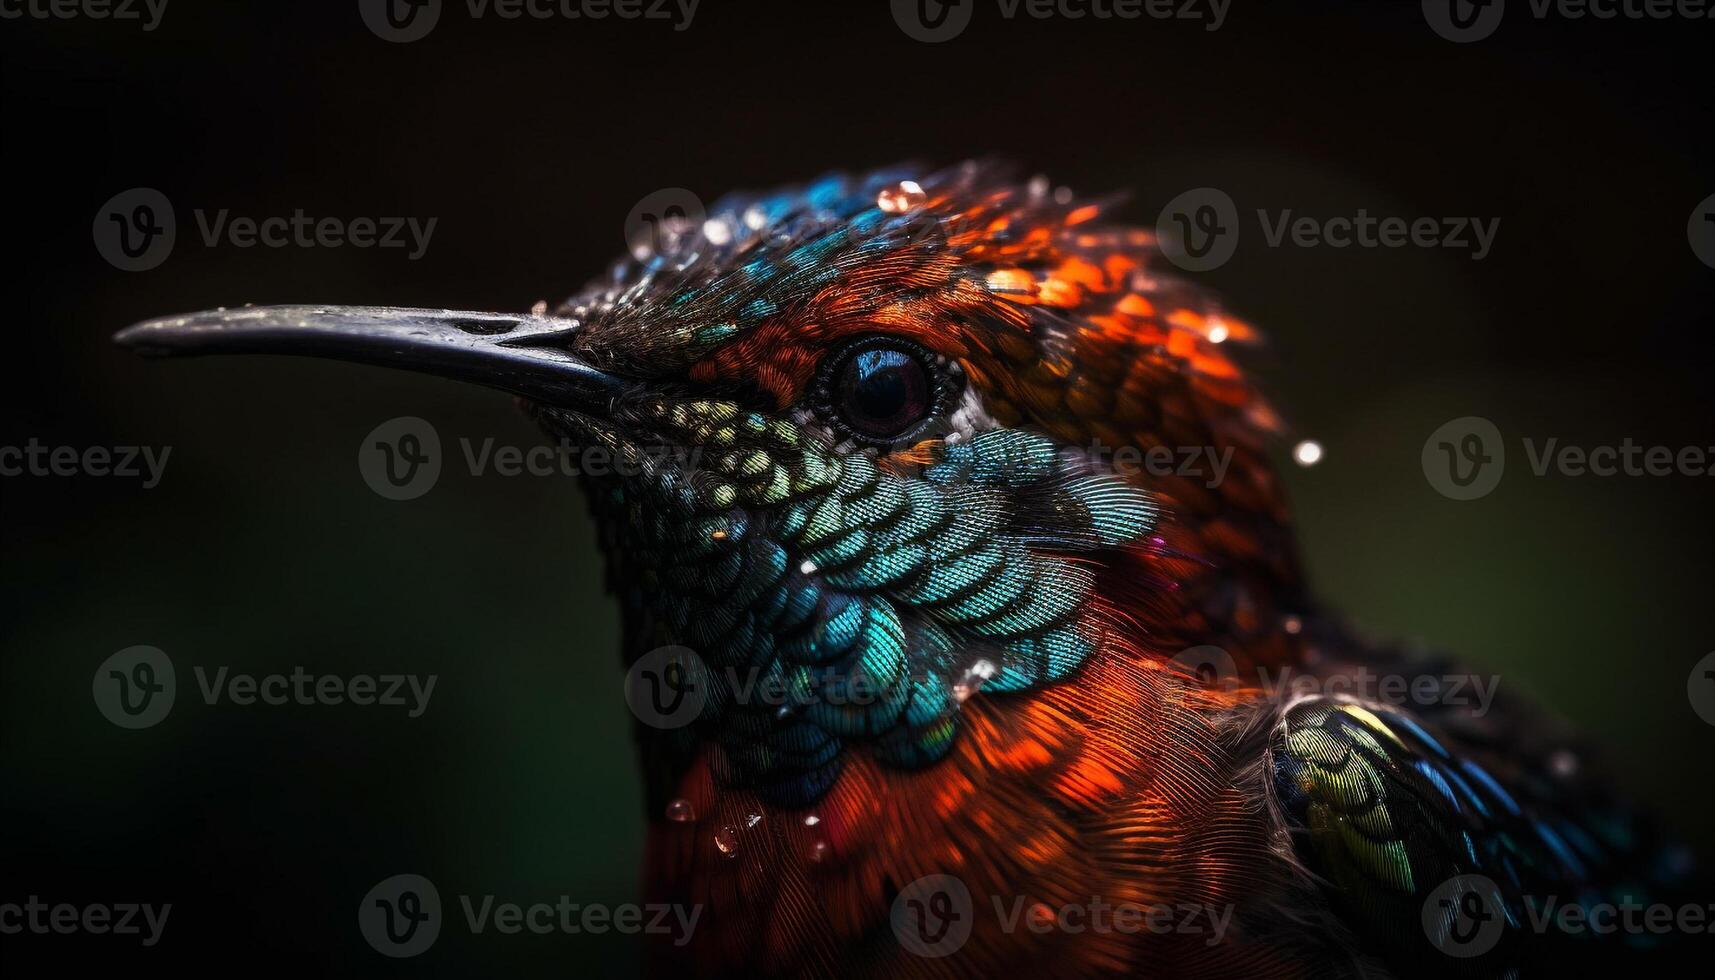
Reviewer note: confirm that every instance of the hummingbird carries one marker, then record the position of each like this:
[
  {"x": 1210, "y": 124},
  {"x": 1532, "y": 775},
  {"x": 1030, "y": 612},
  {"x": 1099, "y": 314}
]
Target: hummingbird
[{"x": 958, "y": 590}]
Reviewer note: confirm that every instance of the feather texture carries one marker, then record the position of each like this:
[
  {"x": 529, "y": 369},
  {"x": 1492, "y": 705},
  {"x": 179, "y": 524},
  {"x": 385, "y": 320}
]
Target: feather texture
[{"x": 978, "y": 626}]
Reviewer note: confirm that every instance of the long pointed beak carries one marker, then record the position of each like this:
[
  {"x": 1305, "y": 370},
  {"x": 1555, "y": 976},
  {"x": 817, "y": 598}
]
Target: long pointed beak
[{"x": 526, "y": 355}]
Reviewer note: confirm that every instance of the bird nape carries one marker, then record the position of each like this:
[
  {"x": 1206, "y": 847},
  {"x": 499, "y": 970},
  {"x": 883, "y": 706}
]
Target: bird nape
[{"x": 947, "y": 517}]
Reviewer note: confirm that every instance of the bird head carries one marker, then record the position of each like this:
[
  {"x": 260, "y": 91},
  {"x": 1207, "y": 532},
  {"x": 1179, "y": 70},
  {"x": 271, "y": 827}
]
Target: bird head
[{"x": 878, "y": 444}]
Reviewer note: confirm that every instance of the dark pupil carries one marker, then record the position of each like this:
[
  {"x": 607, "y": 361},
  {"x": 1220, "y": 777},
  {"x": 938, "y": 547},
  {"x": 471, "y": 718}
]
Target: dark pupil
[{"x": 882, "y": 393}]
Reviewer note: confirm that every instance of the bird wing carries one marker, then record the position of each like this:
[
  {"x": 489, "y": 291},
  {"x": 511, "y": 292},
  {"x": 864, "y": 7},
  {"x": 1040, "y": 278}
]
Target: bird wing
[{"x": 1457, "y": 845}]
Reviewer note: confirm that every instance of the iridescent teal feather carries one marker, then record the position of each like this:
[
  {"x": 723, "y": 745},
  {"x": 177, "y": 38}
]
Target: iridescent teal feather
[{"x": 863, "y": 594}]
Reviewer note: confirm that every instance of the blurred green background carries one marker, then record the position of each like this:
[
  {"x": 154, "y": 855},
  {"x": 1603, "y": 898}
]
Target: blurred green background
[{"x": 263, "y": 550}]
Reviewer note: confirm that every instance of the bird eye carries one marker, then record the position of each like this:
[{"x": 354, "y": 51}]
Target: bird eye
[{"x": 882, "y": 390}]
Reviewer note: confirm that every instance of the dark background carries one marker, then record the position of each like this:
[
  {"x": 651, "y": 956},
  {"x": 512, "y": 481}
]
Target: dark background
[{"x": 529, "y": 140}]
